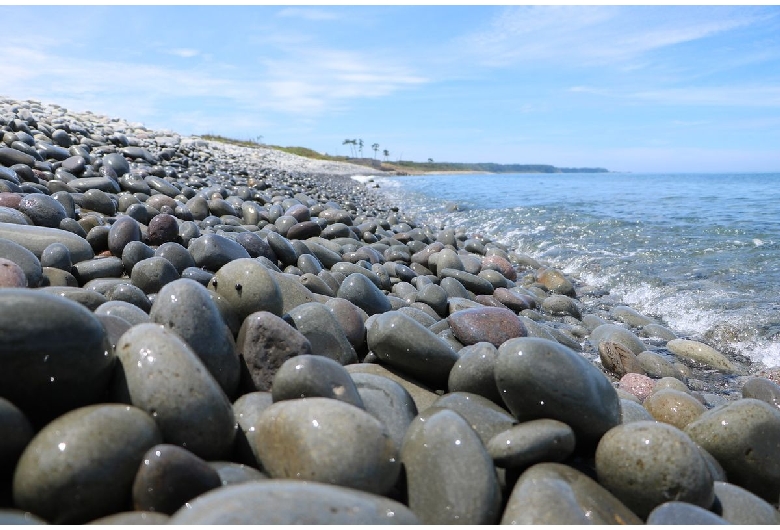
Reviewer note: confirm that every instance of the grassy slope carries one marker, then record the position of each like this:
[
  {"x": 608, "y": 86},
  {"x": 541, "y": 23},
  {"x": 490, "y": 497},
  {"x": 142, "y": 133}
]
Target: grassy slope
[{"x": 406, "y": 166}]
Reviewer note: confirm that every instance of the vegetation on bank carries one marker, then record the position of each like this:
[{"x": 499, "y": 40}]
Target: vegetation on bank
[{"x": 408, "y": 166}]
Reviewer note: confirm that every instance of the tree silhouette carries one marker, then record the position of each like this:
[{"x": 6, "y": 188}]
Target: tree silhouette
[
  {"x": 386, "y": 153},
  {"x": 430, "y": 160},
  {"x": 375, "y": 147},
  {"x": 360, "y": 144}
]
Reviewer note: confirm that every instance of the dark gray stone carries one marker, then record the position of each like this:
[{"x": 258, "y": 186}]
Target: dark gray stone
[
  {"x": 359, "y": 290},
  {"x": 306, "y": 376},
  {"x": 152, "y": 274},
  {"x": 37, "y": 238},
  {"x": 315, "y": 322},
  {"x": 212, "y": 251}
]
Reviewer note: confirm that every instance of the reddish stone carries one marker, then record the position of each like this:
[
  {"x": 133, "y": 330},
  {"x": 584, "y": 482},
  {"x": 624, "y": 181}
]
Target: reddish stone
[
  {"x": 486, "y": 324},
  {"x": 489, "y": 301},
  {"x": 163, "y": 228},
  {"x": 497, "y": 263},
  {"x": 10, "y": 200},
  {"x": 513, "y": 301},
  {"x": 639, "y": 385}
]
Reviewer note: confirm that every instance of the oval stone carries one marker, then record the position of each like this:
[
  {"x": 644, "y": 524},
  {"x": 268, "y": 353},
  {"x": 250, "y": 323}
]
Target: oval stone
[
  {"x": 292, "y": 502},
  {"x": 450, "y": 477},
  {"x": 54, "y": 355},
  {"x": 37, "y": 238},
  {"x": 247, "y": 287},
  {"x": 538, "y": 378},
  {"x": 81, "y": 466},
  {"x": 486, "y": 324},
  {"x": 325, "y": 440},
  {"x": 645, "y": 464},
  {"x": 307, "y": 376},
  {"x": 162, "y": 375},
  {"x": 362, "y": 292}
]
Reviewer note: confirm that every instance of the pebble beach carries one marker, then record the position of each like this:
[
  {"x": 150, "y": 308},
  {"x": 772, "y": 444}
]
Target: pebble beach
[{"x": 193, "y": 332}]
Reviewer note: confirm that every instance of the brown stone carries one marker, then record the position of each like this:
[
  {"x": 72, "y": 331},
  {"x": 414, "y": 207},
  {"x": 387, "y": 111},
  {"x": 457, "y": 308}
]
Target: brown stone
[
  {"x": 486, "y": 324},
  {"x": 618, "y": 359}
]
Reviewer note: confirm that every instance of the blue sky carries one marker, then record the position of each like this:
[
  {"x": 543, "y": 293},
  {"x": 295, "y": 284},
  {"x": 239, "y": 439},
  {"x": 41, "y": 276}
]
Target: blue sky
[{"x": 642, "y": 89}]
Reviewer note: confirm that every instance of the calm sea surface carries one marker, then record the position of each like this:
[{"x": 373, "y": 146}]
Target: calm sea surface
[{"x": 700, "y": 252}]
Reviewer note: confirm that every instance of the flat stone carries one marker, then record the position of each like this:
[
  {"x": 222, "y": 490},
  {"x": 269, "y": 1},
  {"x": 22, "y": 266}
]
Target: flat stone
[
  {"x": 471, "y": 282},
  {"x": 644, "y": 464},
  {"x": 89, "y": 299},
  {"x": 37, "y": 238},
  {"x": 315, "y": 322},
  {"x": 530, "y": 443},
  {"x": 42, "y": 209},
  {"x": 292, "y": 502},
  {"x": 162, "y": 375},
  {"x": 108, "y": 267},
  {"x": 441, "y": 449},
  {"x": 656, "y": 365},
  {"x": 538, "y": 378},
  {"x": 168, "y": 477},
  {"x": 307, "y": 376},
  {"x": 81, "y": 465},
  {"x": 556, "y": 494},
  {"x": 422, "y": 395},
  {"x": 485, "y": 417},
  {"x": 702, "y": 353},
  {"x": 486, "y": 324},
  {"x": 186, "y": 308},
  {"x": 399, "y": 341},
  {"x": 561, "y": 305},
  {"x": 630, "y": 316},
  {"x": 231, "y": 473},
  {"x": 326, "y": 440},
  {"x": 556, "y": 282},
  {"x": 388, "y": 402},
  {"x": 54, "y": 355},
  {"x": 124, "y": 310},
  {"x": 744, "y": 437}
]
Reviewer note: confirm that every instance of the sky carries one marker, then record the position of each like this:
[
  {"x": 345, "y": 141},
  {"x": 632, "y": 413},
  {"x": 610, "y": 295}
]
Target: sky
[{"x": 627, "y": 88}]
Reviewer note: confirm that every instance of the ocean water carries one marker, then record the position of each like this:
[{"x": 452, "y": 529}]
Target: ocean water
[{"x": 699, "y": 252}]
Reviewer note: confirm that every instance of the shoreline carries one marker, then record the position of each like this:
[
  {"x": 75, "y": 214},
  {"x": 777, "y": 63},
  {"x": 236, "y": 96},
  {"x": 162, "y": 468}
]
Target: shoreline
[{"x": 234, "y": 316}]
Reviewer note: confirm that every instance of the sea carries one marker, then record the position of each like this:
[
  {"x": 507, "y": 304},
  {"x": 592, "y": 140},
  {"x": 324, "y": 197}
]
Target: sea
[{"x": 698, "y": 252}]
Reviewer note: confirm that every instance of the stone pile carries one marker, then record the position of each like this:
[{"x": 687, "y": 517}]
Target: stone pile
[{"x": 198, "y": 333}]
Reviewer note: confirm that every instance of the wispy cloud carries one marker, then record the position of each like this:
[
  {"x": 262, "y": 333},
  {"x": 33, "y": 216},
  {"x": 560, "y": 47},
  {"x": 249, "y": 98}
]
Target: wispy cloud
[
  {"x": 592, "y": 35},
  {"x": 307, "y": 13},
  {"x": 694, "y": 96},
  {"x": 185, "y": 53}
]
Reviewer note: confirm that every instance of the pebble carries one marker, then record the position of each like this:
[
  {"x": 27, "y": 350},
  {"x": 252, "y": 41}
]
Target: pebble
[
  {"x": 674, "y": 407},
  {"x": 26, "y": 260},
  {"x": 326, "y": 336},
  {"x": 306, "y": 376},
  {"x": 683, "y": 513},
  {"x": 203, "y": 330},
  {"x": 644, "y": 464},
  {"x": 702, "y": 353},
  {"x": 362, "y": 292},
  {"x": 37, "y": 238},
  {"x": 763, "y": 389},
  {"x": 637, "y": 385},
  {"x": 401, "y": 342},
  {"x": 247, "y": 287},
  {"x": 326, "y": 440},
  {"x": 485, "y": 417},
  {"x": 531, "y": 373},
  {"x": 485, "y": 324},
  {"x": 81, "y": 466},
  {"x": 474, "y": 372},
  {"x": 273, "y": 502},
  {"x": 11, "y": 274},
  {"x": 620, "y": 335},
  {"x": 132, "y": 518},
  {"x": 162, "y": 375},
  {"x": 17, "y": 433},
  {"x": 231, "y": 473},
  {"x": 618, "y": 359},
  {"x": 739, "y": 506},
  {"x": 550, "y": 493},
  {"x": 532, "y": 442},
  {"x": 440, "y": 448},
  {"x": 388, "y": 402},
  {"x": 744, "y": 437},
  {"x": 168, "y": 477}
]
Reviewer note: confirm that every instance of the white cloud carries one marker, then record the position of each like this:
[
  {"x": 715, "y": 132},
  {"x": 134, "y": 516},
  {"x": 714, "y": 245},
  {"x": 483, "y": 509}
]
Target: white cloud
[
  {"x": 185, "y": 53},
  {"x": 694, "y": 96}
]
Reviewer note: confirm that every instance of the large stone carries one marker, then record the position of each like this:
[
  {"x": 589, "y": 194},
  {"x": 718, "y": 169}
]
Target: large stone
[
  {"x": 532, "y": 442},
  {"x": 620, "y": 335},
  {"x": 744, "y": 436},
  {"x": 556, "y": 282},
  {"x": 388, "y": 402},
  {"x": 739, "y": 506},
  {"x": 212, "y": 251},
  {"x": 474, "y": 372},
  {"x": 326, "y": 440},
  {"x": 556, "y": 494},
  {"x": 186, "y": 308},
  {"x": 401, "y": 342},
  {"x": 54, "y": 354},
  {"x": 161, "y": 374},
  {"x": 485, "y": 417},
  {"x": 645, "y": 464},
  {"x": 292, "y": 502},
  {"x": 81, "y": 466},
  {"x": 362, "y": 292},
  {"x": 450, "y": 477},
  {"x": 538, "y": 378},
  {"x": 27, "y": 261}
]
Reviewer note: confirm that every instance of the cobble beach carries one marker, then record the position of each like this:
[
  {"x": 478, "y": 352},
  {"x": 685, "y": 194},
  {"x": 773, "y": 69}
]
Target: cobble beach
[{"x": 195, "y": 332}]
